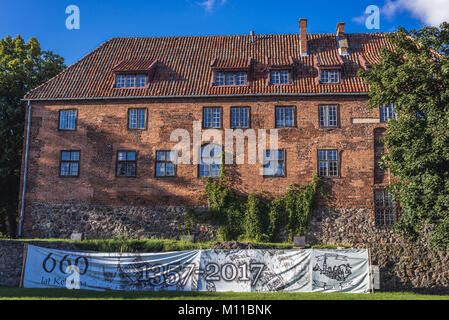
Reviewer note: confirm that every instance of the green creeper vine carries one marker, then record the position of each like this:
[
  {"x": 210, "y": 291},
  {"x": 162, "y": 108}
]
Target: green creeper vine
[{"x": 254, "y": 217}]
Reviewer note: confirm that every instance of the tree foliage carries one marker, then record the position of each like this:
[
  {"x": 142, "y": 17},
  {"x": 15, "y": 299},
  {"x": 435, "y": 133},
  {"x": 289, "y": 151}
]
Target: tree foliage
[
  {"x": 414, "y": 76},
  {"x": 23, "y": 66}
]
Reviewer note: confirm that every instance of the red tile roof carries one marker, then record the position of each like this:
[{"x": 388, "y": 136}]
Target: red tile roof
[
  {"x": 184, "y": 65},
  {"x": 134, "y": 65}
]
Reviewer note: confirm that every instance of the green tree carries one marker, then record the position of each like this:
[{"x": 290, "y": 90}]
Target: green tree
[
  {"x": 414, "y": 76},
  {"x": 23, "y": 66}
]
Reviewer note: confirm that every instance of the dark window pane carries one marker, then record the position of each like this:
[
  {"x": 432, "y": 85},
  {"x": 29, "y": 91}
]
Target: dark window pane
[
  {"x": 229, "y": 79},
  {"x": 170, "y": 169},
  {"x": 141, "y": 119},
  {"x": 65, "y": 168},
  {"x": 74, "y": 169},
  {"x": 65, "y": 155},
  {"x": 121, "y": 156},
  {"x": 160, "y": 155},
  {"x": 160, "y": 169},
  {"x": 131, "y": 169},
  {"x": 121, "y": 169},
  {"x": 131, "y": 156},
  {"x": 141, "y": 80},
  {"x": 132, "y": 119},
  {"x": 74, "y": 156}
]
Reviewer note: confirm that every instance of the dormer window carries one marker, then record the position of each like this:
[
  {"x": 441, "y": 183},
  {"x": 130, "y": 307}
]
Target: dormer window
[
  {"x": 280, "y": 77},
  {"x": 134, "y": 73},
  {"x": 230, "y": 78},
  {"x": 330, "y": 76},
  {"x": 131, "y": 81}
]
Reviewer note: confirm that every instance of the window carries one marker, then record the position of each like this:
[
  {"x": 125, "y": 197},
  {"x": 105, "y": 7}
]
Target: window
[
  {"x": 328, "y": 116},
  {"x": 387, "y": 113},
  {"x": 279, "y": 77},
  {"x": 212, "y": 117},
  {"x": 285, "y": 117},
  {"x": 328, "y": 163},
  {"x": 385, "y": 210},
  {"x": 126, "y": 164},
  {"x": 239, "y": 117},
  {"x": 130, "y": 81},
  {"x": 330, "y": 76},
  {"x": 141, "y": 80},
  {"x": 69, "y": 164},
  {"x": 120, "y": 81},
  {"x": 165, "y": 163},
  {"x": 274, "y": 163},
  {"x": 210, "y": 161},
  {"x": 380, "y": 175},
  {"x": 67, "y": 119},
  {"x": 137, "y": 118},
  {"x": 230, "y": 78}
]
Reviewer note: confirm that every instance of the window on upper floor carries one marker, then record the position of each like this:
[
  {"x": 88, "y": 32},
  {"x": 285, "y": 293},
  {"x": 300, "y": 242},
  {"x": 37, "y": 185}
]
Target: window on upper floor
[
  {"x": 212, "y": 117},
  {"x": 274, "y": 163},
  {"x": 328, "y": 116},
  {"x": 67, "y": 119},
  {"x": 328, "y": 163},
  {"x": 131, "y": 80},
  {"x": 165, "y": 163},
  {"x": 330, "y": 76},
  {"x": 210, "y": 161},
  {"x": 387, "y": 113},
  {"x": 137, "y": 119},
  {"x": 239, "y": 117},
  {"x": 230, "y": 78},
  {"x": 280, "y": 77},
  {"x": 285, "y": 117},
  {"x": 126, "y": 164},
  {"x": 69, "y": 163}
]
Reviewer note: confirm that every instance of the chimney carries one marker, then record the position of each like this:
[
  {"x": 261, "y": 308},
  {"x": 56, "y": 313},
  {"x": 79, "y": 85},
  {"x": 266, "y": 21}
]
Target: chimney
[
  {"x": 340, "y": 29},
  {"x": 342, "y": 40},
  {"x": 252, "y": 34},
  {"x": 303, "y": 37}
]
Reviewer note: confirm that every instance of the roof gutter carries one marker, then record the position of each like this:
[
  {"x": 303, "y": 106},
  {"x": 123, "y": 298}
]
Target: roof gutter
[
  {"x": 25, "y": 171},
  {"x": 209, "y": 96}
]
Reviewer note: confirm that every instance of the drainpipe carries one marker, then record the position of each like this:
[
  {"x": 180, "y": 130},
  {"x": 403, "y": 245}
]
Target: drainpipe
[{"x": 25, "y": 170}]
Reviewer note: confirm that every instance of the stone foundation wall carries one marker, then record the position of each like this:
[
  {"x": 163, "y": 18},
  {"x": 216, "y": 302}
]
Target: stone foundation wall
[
  {"x": 347, "y": 226},
  {"x": 97, "y": 222},
  {"x": 11, "y": 258},
  {"x": 411, "y": 267}
]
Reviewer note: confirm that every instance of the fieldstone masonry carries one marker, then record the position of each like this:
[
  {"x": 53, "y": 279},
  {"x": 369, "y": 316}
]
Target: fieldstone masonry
[
  {"x": 347, "y": 226},
  {"x": 11, "y": 258},
  {"x": 96, "y": 222}
]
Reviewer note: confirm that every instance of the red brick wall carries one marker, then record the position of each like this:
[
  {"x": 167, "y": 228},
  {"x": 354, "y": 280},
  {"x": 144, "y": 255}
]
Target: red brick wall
[{"x": 102, "y": 130}]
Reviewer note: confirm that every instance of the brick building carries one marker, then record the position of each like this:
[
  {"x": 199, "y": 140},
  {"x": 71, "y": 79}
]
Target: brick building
[{"x": 97, "y": 156}]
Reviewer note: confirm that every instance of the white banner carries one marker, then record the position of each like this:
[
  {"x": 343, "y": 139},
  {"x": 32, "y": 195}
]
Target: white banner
[{"x": 306, "y": 270}]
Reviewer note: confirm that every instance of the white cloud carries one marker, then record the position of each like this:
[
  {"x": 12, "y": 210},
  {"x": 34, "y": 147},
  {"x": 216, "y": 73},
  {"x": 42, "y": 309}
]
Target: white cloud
[
  {"x": 210, "y": 5},
  {"x": 361, "y": 19},
  {"x": 431, "y": 12}
]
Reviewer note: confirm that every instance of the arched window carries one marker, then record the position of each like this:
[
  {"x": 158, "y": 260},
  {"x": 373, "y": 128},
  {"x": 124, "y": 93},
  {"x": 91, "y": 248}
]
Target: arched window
[{"x": 210, "y": 160}]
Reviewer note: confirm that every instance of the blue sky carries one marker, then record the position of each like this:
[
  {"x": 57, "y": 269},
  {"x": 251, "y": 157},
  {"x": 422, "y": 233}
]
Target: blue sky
[{"x": 102, "y": 20}]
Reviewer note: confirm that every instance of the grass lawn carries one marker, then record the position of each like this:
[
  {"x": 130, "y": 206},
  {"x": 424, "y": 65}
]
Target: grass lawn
[{"x": 7, "y": 293}]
